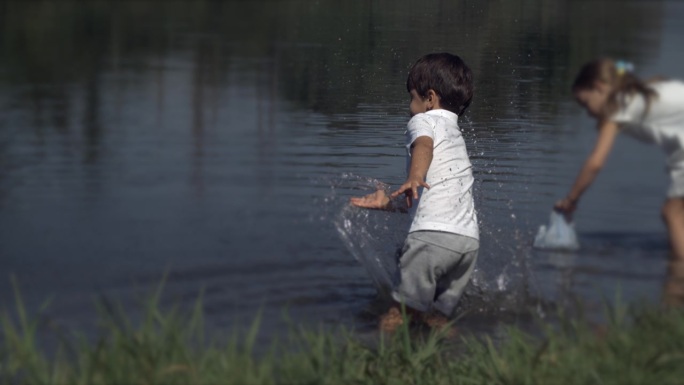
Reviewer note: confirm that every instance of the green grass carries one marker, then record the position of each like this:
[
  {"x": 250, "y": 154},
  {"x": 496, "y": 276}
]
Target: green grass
[{"x": 639, "y": 346}]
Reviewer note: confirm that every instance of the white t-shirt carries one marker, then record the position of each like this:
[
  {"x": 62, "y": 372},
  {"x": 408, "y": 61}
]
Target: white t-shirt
[
  {"x": 662, "y": 123},
  {"x": 448, "y": 205}
]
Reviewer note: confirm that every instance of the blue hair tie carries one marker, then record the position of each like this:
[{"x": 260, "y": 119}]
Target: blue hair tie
[{"x": 624, "y": 66}]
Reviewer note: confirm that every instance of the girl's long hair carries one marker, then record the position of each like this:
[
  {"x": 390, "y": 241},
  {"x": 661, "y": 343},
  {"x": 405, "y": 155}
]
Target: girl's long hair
[{"x": 623, "y": 84}]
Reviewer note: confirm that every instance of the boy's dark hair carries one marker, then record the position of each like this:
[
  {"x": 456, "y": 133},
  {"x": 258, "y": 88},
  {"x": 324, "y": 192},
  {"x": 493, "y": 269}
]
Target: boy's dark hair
[{"x": 447, "y": 75}]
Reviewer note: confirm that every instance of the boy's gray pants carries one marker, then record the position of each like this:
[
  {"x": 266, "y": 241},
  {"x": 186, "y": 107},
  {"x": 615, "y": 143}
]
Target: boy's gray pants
[{"x": 434, "y": 269}]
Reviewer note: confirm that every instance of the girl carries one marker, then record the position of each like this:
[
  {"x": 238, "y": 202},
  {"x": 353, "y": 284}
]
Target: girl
[{"x": 649, "y": 111}]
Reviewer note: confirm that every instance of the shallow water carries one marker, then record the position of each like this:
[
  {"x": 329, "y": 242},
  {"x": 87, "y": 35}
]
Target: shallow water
[{"x": 218, "y": 143}]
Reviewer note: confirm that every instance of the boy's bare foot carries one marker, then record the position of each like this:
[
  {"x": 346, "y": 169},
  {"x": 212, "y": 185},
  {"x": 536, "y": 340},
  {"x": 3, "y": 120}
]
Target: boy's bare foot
[
  {"x": 440, "y": 323},
  {"x": 390, "y": 321}
]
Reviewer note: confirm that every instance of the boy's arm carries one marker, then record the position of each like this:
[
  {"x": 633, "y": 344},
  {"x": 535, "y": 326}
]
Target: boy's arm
[
  {"x": 421, "y": 158},
  {"x": 379, "y": 200}
]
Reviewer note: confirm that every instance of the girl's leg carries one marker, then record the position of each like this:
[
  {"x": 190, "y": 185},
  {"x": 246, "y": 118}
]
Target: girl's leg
[
  {"x": 673, "y": 290},
  {"x": 673, "y": 215}
]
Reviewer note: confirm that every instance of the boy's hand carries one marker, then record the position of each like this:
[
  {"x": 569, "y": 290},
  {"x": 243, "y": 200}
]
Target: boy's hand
[
  {"x": 410, "y": 189},
  {"x": 377, "y": 200}
]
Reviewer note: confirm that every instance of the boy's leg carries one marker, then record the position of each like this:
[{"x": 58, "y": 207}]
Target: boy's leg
[
  {"x": 416, "y": 279},
  {"x": 451, "y": 285},
  {"x": 410, "y": 287},
  {"x": 673, "y": 216},
  {"x": 434, "y": 269}
]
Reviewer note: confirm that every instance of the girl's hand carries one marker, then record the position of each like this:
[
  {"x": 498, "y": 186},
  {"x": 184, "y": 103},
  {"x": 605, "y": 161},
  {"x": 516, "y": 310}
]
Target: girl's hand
[
  {"x": 566, "y": 206},
  {"x": 377, "y": 200},
  {"x": 410, "y": 189}
]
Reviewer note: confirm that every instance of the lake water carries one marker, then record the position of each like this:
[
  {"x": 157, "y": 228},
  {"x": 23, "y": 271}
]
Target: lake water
[{"x": 217, "y": 143}]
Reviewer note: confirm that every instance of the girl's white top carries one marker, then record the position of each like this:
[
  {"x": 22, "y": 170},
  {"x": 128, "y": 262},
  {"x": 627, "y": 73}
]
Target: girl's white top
[
  {"x": 661, "y": 123},
  {"x": 448, "y": 204}
]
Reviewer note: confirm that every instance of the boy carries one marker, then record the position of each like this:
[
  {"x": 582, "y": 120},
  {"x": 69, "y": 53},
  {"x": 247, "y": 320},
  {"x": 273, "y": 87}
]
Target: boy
[{"x": 442, "y": 245}]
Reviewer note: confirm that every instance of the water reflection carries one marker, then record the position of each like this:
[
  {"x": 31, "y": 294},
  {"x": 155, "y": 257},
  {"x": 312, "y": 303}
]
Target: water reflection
[{"x": 519, "y": 49}]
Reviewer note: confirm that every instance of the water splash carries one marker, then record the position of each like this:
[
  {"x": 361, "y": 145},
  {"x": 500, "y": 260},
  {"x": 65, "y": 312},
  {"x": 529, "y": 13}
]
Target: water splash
[
  {"x": 501, "y": 280},
  {"x": 372, "y": 241},
  {"x": 373, "y": 237}
]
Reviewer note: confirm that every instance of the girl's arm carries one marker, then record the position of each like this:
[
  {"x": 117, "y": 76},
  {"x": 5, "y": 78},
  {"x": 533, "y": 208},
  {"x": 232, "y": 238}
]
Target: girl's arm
[
  {"x": 604, "y": 143},
  {"x": 421, "y": 157}
]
